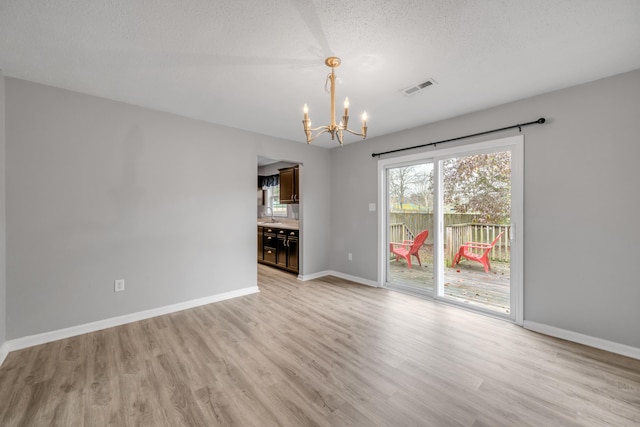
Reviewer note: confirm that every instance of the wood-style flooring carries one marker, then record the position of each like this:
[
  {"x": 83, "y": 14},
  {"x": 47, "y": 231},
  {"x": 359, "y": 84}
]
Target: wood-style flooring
[{"x": 321, "y": 353}]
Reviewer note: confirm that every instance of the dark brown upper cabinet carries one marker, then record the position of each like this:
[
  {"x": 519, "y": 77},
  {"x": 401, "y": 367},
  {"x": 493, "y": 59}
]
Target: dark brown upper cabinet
[{"x": 289, "y": 185}]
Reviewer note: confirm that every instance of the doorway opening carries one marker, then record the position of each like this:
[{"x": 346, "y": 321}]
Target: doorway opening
[{"x": 278, "y": 214}]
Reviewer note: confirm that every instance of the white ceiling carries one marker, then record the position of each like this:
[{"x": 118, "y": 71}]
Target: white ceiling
[{"x": 252, "y": 64}]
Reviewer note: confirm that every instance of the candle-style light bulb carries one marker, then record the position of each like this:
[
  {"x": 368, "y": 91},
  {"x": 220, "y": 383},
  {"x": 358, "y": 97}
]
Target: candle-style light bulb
[
  {"x": 346, "y": 106},
  {"x": 364, "y": 124},
  {"x": 305, "y": 121}
]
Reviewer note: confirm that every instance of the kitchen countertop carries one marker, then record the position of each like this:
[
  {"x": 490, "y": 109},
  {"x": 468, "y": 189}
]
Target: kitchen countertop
[{"x": 288, "y": 225}]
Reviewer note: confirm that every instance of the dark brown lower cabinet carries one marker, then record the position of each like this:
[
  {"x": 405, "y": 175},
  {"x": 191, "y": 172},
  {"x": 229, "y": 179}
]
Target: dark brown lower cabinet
[
  {"x": 282, "y": 251},
  {"x": 292, "y": 254},
  {"x": 269, "y": 255},
  {"x": 269, "y": 245},
  {"x": 260, "y": 254},
  {"x": 280, "y": 248}
]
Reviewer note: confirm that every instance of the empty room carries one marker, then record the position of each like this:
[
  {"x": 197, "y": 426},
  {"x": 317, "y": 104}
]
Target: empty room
[{"x": 305, "y": 213}]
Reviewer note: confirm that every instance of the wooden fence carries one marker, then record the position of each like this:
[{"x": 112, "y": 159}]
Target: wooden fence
[
  {"x": 459, "y": 229},
  {"x": 418, "y": 221},
  {"x": 399, "y": 232},
  {"x": 459, "y": 234}
]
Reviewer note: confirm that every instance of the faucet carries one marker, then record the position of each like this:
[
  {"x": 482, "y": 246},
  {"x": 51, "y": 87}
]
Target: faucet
[{"x": 267, "y": 210}]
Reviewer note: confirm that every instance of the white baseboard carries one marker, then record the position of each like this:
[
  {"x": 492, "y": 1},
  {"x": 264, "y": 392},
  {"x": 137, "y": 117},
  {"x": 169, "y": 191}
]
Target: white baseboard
[
  {"x": 344, "y": 276},
  {"x": 354, "y": 278},
  {"x": 31, "y": 340},
  {"x": 4, "y": 351},
  {"x": 306, "y": 277},
  {"x": 613, "y": 347}
]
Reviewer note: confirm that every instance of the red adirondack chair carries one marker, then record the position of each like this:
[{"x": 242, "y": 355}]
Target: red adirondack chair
[
  {"x": 409, "y": 247},
  {"x": 475, "y": 251}
]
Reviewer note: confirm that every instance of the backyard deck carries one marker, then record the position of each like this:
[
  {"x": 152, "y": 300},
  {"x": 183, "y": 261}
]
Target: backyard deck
[{"x": 467, "y": 282}]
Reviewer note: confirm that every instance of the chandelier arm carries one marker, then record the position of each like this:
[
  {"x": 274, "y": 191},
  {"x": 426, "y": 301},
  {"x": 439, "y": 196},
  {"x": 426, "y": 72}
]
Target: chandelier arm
[
  {"x": 326, "y": 129},
  {"x": 363, "y": 134},
  {"x": 321, "y": 129}
]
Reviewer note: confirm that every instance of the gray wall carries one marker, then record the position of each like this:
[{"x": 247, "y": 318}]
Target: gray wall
[
  {"x": 579, "y": 270},
  {"x": 3, "y": 234},
  {"x": 99, "y": 190}
]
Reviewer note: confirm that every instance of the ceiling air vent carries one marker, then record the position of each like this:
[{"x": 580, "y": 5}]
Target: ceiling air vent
[{"x": 412, "y": 90}]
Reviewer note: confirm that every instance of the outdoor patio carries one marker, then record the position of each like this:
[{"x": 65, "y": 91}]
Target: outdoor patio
[{"x": 467, "y": 282}]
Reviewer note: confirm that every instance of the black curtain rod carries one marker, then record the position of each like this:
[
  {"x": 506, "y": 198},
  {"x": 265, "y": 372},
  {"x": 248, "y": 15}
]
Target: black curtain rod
[{"x": 520, "y": 126}]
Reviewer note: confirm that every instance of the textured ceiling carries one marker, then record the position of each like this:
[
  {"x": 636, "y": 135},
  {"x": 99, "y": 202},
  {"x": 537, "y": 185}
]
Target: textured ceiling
[{"x": 253, "y": 64}]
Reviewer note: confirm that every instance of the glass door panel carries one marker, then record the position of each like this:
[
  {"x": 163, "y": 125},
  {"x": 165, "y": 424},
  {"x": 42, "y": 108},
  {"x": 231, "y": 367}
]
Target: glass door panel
[
  {"x": 476, "y": 209},
  {"x": 410, "y": 230}
]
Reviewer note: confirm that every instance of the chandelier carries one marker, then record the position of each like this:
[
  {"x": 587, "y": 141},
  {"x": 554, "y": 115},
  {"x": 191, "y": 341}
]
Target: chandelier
[{"x": 336, "y": 130}]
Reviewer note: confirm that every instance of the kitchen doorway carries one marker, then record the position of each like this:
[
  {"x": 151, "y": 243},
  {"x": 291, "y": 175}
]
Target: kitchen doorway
[{"x": 278, "y": 214}]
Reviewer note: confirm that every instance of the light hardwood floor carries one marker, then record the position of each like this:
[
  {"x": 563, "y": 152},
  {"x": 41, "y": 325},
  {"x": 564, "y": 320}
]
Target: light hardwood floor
[{"x": 326, "y": 352}]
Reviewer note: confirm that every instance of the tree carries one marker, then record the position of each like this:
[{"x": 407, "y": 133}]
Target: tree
[
  {"x": 401, "y": 182},
  {"x": 424, "y": 188},
  {"x": 411, "y": 185},
  {"x": 480, "y": 184}
]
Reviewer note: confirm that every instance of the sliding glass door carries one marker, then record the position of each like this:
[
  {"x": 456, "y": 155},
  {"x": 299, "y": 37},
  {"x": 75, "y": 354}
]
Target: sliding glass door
[{"x": 449, "y": 224}]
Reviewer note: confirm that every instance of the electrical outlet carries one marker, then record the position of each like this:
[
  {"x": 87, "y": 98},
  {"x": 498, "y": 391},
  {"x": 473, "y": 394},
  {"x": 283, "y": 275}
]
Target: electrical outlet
[
  {"x": 350, "y": 256},
  {"x": 118, "y": 285}
]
